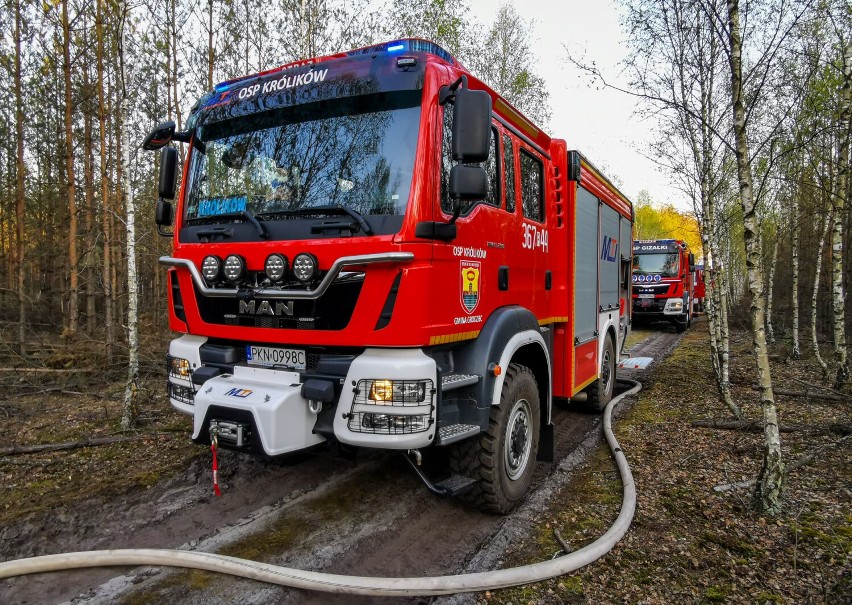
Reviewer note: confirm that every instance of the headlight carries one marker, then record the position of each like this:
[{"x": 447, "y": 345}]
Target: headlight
[
  {"x": 674, "y": 304},
  {"x": 234, "y": 267},
  {"x": 389, "y": 392},
  {"x": 179, "y": 368},
  {"x": 210, "y": 267},
  {"x": 276, "y": 267},
  {"x": 304, "y": 267}
]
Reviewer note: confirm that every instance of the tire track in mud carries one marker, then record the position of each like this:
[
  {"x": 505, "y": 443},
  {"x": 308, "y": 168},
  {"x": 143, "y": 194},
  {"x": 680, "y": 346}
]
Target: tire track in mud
[{"x": 371, "y": 518}]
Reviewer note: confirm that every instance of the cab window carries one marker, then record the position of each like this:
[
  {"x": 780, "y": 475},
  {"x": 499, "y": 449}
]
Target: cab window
[{"x": 532, "y": 186}]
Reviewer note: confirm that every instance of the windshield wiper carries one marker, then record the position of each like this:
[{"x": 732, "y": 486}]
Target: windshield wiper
[
  {"x": 261, "y": 230},
  {"x": 338, "y": 210}
]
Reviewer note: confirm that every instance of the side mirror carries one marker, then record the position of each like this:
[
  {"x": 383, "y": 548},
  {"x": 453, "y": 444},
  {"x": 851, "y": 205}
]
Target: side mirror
[
  {"x": 159, "y": 137},
  {"x": 471, "y": 126},
  {"x": 163, "y": 216},
  {"x": 691, "y": 261},
  {"x": 168, "y": 172},
  {"x": 468, "y": 183}
]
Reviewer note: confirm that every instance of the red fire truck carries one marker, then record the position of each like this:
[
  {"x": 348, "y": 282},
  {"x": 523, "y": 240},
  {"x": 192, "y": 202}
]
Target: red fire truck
[
  {"x": 663, "y": 273},
  {"x": 374, "y": 249},
  {"x": 700, "y": 289}
]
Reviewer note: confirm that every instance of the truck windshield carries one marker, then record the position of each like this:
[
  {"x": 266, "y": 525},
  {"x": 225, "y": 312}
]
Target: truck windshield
[
  {"x": 355, "y": 152},
  {"x": 664, "y": 264}
]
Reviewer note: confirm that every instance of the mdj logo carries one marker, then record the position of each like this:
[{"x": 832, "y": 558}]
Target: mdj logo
[
  {"x": 239, "y": 393},
  {"x": 609, "y": 249}
]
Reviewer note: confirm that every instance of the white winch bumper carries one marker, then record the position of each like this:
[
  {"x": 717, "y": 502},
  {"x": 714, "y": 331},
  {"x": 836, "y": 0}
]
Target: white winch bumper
[{"x": 283, "y": 418}]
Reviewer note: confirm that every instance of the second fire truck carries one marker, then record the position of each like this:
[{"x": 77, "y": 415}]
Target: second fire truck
[{"x": 663, "y": 272}]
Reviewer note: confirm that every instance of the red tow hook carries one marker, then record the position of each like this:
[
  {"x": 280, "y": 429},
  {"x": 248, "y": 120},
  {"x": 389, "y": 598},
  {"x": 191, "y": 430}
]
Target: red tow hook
[{"x": 214, "y": 445}]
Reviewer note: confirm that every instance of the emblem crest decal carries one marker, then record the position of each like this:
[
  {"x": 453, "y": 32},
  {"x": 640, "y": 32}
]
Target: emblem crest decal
[{"x": 469, "y": 273}]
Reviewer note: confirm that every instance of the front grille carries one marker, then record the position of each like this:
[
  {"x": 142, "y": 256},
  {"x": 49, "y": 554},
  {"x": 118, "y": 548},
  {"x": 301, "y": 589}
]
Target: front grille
[
  {"x": 655, "y": 305},
  {"x": 332, "y": 311}
]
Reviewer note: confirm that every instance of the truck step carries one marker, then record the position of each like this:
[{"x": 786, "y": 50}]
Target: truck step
[
  {"x": 455, "y": 485},
  {"x": 456, "y": 432},
  {"x": 635, "y": 363},
  {"x": 456, "y": 381}
]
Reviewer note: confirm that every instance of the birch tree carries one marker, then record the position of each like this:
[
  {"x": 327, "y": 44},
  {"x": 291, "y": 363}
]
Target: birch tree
[
  {"x": 815, "y": 296},
  {"x": 770, "y": 482},
  {"x": 129, "y": 409},
  {"x": 843, "y": 169}
]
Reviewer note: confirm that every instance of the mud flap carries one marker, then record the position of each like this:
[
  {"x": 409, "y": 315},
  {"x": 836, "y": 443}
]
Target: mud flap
[{"x": 546, "y": 444}]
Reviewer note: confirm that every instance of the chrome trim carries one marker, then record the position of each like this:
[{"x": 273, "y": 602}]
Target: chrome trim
[{"x": 275, "y": 294}]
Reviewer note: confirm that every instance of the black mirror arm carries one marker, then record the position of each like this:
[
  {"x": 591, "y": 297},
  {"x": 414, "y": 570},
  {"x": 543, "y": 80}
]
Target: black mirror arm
[
  {"x": 456, "y": 212},
  {"x": 448, "y": 93}
]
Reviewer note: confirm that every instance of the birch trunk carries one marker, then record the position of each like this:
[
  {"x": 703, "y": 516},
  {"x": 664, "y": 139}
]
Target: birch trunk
[
  {"x": 770, "y": 330},
  {"x": 794, "y": 224},
  {"x": 129, "y": 411},
  {"x": 839, "y": 296},
  {"x": 73, "y": 261},
  {"x": 105, "y": 205},
  {"x": 770, "y": 483},
  {"x": 814, "y": 297},
  {"x": 725, "y": 339},
  {"x": 20, "y": 201}
]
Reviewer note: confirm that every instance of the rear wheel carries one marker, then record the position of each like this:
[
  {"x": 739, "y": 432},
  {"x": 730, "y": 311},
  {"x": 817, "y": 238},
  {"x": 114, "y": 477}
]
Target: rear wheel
[
  {"x": 600, "y": 393},
  {"x": 502, "y": 459}
]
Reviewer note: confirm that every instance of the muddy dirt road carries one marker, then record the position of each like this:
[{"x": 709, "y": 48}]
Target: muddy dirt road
[{"x": 370, "y": 516}]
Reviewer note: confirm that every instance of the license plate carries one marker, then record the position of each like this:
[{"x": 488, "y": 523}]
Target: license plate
[
  {"x": 645, "y": 295},
  {"x": 275, "y": 356}
]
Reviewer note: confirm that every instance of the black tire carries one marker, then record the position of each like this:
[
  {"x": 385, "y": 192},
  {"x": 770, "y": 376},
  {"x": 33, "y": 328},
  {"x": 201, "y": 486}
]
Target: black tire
[
  {"x": 600, "y": 393},
  {"x": 502, "y": 458},
  {"x": 681, "y": 326}
]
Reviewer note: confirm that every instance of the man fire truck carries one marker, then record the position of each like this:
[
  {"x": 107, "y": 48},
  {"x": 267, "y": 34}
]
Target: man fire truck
[
  {"x": 374, "y": 249},
  {"x": 663, "y": 273}
]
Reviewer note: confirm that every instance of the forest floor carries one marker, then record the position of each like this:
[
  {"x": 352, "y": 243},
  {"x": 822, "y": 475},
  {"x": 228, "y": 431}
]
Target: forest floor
[{"x": 689, "y": 543}]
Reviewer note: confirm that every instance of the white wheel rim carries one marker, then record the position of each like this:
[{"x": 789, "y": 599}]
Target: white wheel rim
[{"x": 517, "y": 443}]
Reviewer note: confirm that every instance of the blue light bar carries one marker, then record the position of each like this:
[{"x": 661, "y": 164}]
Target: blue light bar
[{"x": 406, "y": 44}]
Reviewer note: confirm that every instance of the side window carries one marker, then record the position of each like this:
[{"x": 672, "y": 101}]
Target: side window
[
  {"x": 509, "y": 172},
  {"x": 491, "y": 167},
  {"x": 532, "y": 186},
  {"x": 447, "y": 159}
]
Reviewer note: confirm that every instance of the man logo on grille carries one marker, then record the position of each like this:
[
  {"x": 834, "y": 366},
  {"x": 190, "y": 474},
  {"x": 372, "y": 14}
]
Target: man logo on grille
[{"x": 470, "y": 284}]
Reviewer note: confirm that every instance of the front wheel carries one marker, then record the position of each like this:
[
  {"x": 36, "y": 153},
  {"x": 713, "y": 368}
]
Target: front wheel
[
  {"x": 502, "y": 459},
  {"x": 600, "y": 393}
]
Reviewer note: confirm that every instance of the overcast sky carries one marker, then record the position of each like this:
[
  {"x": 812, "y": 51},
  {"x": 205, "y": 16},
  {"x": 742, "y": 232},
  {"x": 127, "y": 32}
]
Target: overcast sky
[{"x": 601, "y": 123}]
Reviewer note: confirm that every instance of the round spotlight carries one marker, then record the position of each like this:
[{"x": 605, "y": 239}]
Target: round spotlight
[
  {"x": 304, "y": 267},
  {"x": 234, "y": 268},
  {"x": 276, "y": 267},
  {"x": 210, "y": 267}
]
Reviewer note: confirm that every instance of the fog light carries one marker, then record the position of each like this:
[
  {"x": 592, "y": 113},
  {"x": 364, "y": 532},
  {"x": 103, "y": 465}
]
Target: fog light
[
  {"x": 234, "y": 267},
  {"x": 179, "y": 367},
  {"x": 210, "y": 267},
  {"x": 304, "y": 267},
  {"x": 276, "y": 267}
]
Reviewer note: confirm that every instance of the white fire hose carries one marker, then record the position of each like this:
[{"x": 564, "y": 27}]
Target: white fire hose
[{"x": 325, "y": 582}]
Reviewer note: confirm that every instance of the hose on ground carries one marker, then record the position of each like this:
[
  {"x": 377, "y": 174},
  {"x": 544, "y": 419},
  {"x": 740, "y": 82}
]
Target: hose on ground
[{"x": 373, "y": 586}]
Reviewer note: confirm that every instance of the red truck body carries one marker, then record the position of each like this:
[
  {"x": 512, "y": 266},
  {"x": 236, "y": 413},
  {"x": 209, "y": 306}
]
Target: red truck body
[{"x": 332, "y": 285}]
